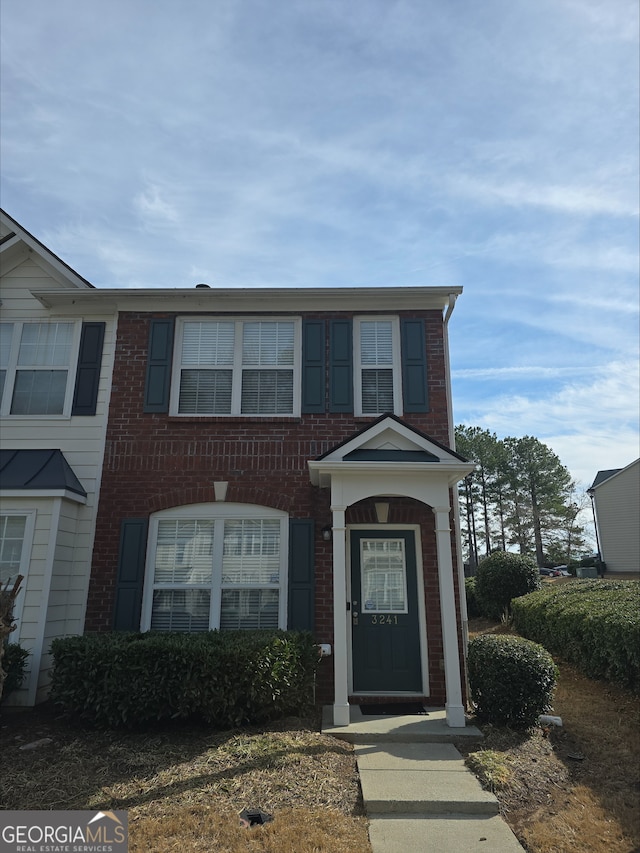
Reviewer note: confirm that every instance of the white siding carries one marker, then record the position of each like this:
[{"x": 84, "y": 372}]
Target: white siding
[
  {"x": 54, "y": 605},
  {"x": 617, "y": 503},
  {"x": 35, "y": 586}
]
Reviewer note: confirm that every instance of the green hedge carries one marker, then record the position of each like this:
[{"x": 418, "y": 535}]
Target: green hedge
[
  {"x": 501, "y": 577},
  {"x": 224, "y": 678},
  {"x": 593, "y": 624},
  {"x": 14, "y": 664},
  {"x": 473, "y": 607},
  {"x": 511, "y": 679}
]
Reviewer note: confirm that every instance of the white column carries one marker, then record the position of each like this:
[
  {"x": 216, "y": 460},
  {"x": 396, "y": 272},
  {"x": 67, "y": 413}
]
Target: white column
[
  {"x": 454, "y": 706},
  {"x": 340, "y": 616}
]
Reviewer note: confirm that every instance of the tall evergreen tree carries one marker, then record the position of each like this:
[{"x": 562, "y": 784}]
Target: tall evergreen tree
[{"x": 520, "y": 495}]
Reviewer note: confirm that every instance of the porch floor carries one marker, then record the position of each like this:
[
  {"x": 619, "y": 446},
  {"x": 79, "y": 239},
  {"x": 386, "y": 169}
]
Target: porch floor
[{"x": 429, "y": 727}]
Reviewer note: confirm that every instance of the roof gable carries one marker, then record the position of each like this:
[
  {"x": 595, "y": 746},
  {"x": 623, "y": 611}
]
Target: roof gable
[
  {"x": 605, "y": 476},
  {"x": 18, "y": 245},
  {"x": 390, "y": 439}
]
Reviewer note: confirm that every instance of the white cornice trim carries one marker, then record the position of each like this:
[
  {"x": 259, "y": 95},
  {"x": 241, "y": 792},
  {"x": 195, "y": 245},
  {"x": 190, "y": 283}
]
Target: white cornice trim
[
  {"x": 321, "y": 472},
  {"x": 254, "y": 299},
  {"x": 67, "y": 494}
]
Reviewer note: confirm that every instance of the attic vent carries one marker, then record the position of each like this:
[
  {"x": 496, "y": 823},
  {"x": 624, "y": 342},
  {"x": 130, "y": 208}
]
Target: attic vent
[{"x": 203, "y": 285}]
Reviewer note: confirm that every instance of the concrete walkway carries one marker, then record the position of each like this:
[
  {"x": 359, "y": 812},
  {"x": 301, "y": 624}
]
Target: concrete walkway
[{"x": 418, "y": 794}]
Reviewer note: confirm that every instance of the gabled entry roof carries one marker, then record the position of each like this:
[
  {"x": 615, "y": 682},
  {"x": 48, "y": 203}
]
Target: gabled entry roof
[
  {"x": 389, "y": 443},
  {"x": 38, "y": 471}
]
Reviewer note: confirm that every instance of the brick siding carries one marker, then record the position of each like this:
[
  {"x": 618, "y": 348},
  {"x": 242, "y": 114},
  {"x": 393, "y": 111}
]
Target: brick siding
[{"x": 155, "y": 461}]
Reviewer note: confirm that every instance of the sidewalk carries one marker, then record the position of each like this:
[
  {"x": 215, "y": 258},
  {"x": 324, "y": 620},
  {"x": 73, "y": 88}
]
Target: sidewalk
[{"x": 418, "y": 794}]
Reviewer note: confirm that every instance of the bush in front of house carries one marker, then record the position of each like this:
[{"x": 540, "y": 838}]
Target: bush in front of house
[
  {"x": 225, "y": 678},
  {"x": 14, "y": 664},
  {"x": 592, "y": 624},
  {"x": 473, "y": 607},
  {"x": 511, "y": 680},
  {"x": 500, "y": 578}
]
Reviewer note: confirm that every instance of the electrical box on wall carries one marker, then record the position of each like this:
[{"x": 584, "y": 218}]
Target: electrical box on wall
[{"x": 325, "y": 650}]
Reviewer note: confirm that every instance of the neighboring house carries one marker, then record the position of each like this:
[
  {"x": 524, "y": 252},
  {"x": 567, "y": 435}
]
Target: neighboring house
[
  {"x": 282, "y": 458},
  {"x": 55, "y": 370},
  {"x": 616, "y": 507}
]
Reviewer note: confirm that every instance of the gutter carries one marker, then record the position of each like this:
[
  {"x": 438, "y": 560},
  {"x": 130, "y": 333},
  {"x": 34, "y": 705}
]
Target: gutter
[{"x": 456, "y": 506}]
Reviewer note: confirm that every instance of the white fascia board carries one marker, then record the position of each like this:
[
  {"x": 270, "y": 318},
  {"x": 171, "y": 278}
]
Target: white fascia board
[
  {"x": 60, "y": 270},
  {"x": 43, "y": 493},
  {"x": 321, "y": 471},
  {"x": 410, "y": 439},
  {"x": 258, "y": 299}
]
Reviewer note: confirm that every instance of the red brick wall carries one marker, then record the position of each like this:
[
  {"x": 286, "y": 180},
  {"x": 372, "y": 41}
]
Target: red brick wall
[{"x": 155, "y": 461}]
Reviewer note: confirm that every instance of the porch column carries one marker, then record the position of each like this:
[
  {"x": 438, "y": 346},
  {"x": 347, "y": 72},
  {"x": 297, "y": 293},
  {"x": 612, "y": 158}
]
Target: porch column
[
  {"x": 340, "y": 672},
  {"x": 454, "y": 706}
]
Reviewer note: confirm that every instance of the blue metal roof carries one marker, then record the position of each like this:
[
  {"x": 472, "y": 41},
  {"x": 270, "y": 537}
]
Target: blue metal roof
[{"x": 37, "y": 470}]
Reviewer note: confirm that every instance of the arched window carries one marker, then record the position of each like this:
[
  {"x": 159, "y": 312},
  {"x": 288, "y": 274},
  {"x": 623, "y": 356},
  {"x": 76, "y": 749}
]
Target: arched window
[{"x": 217, "y": 565}]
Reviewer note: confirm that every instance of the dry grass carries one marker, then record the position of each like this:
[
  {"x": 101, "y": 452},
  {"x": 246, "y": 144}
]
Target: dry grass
[
  {"x": 183, "y": 788},
  {"x": 578, "y": 787},
  {"x": 569, "y": 789}
]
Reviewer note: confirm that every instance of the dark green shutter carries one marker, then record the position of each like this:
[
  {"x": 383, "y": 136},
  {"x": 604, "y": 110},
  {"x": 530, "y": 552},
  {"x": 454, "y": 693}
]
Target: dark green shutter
[
  {"x": 85, "y": 395},
  {"x": 301, "y": 575},
  {"x": 313, "y": 381},
  {"x": 414, "y": 366},
  {"x": 131, "y": 557},
  {"x": 160, "y": 353},
  {"x": 341, "y": 366}
]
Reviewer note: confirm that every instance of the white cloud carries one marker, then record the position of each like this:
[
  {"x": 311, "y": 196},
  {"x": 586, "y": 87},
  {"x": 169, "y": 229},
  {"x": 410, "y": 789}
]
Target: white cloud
[
  {"x": 558, "y": 198},
  {"x": 152, "y": 207},
  {"x": 590, "y": 425},
  {"x": 522, "y": 372}
]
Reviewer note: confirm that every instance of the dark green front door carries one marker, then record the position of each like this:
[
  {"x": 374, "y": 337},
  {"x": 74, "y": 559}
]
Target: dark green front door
[{"x": 384, "y": 612}]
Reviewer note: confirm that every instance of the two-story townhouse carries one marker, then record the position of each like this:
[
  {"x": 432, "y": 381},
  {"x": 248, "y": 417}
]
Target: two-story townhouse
[
  {"x": 55, "y": 373},
  {"x": 282, "y": 458},
  {"x": 615, "y": 496}
]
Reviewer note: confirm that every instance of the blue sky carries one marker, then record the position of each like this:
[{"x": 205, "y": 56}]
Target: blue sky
[{"x": 314, "y": 143}]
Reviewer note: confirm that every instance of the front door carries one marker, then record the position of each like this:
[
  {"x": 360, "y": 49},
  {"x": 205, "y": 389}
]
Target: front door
[{"x": 384, "y": 612}]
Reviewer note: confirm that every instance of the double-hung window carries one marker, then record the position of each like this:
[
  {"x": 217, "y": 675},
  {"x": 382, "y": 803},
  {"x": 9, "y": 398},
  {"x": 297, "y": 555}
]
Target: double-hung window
[
  {"x": 16, "y": 536},
  {"x": 216, "y": 566},
  {"x": 377, "y": 366},
  {"x": 237, "y": 367},
  {"x": 35, "y": 365}
]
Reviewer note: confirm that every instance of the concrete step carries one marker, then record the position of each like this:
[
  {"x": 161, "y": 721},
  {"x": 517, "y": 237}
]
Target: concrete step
[
  {"x": 453, "y": 833},
  {"x": 422, "y": 778},
  {"x": 430, "y": 727}
]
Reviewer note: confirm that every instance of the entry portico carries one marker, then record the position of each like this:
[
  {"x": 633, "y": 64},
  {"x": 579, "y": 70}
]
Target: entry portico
[{"x": 389, "y": 459}]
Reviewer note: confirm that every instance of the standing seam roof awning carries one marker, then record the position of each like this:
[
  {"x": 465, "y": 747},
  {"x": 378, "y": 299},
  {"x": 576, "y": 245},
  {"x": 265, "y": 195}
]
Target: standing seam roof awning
[{"x": 38, "y": 471}]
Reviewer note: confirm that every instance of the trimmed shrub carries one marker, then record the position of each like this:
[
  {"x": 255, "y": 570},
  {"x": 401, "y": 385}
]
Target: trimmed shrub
[
  {"x": 593, "y": 624},
  {"x": 14, "y": 664},
  {"x": 500, "y": 578},
  {"x": 473, "y": 608},
  {"x": 223, "y": 678},
  {"x": 511, "y": 679}
]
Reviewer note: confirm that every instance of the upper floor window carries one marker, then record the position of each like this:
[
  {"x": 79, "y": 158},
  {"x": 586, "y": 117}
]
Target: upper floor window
[
  {"x": 237, "y": 367},
  {"x": 35, "y": 363},
  {"x": 377, "y": 366}
]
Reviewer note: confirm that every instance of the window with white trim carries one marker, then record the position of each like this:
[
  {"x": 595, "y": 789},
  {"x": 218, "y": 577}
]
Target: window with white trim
[
  {"x": 216, "y": 566},
  {"x": 16, "y": 536},
  {"x": 35, "y": 367},
  {"x": 237, "y": 367},
  {"x": 377, "y": 365}
]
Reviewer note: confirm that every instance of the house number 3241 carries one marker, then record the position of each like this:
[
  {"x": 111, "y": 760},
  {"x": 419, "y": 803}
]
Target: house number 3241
[{"x": 384, "y": 620}]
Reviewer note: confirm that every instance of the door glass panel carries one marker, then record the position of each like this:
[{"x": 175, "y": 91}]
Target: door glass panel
[{"x": 384, "y": 576}]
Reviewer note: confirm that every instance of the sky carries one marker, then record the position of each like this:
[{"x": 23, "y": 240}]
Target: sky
[{"x": 324, "y": 143}]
